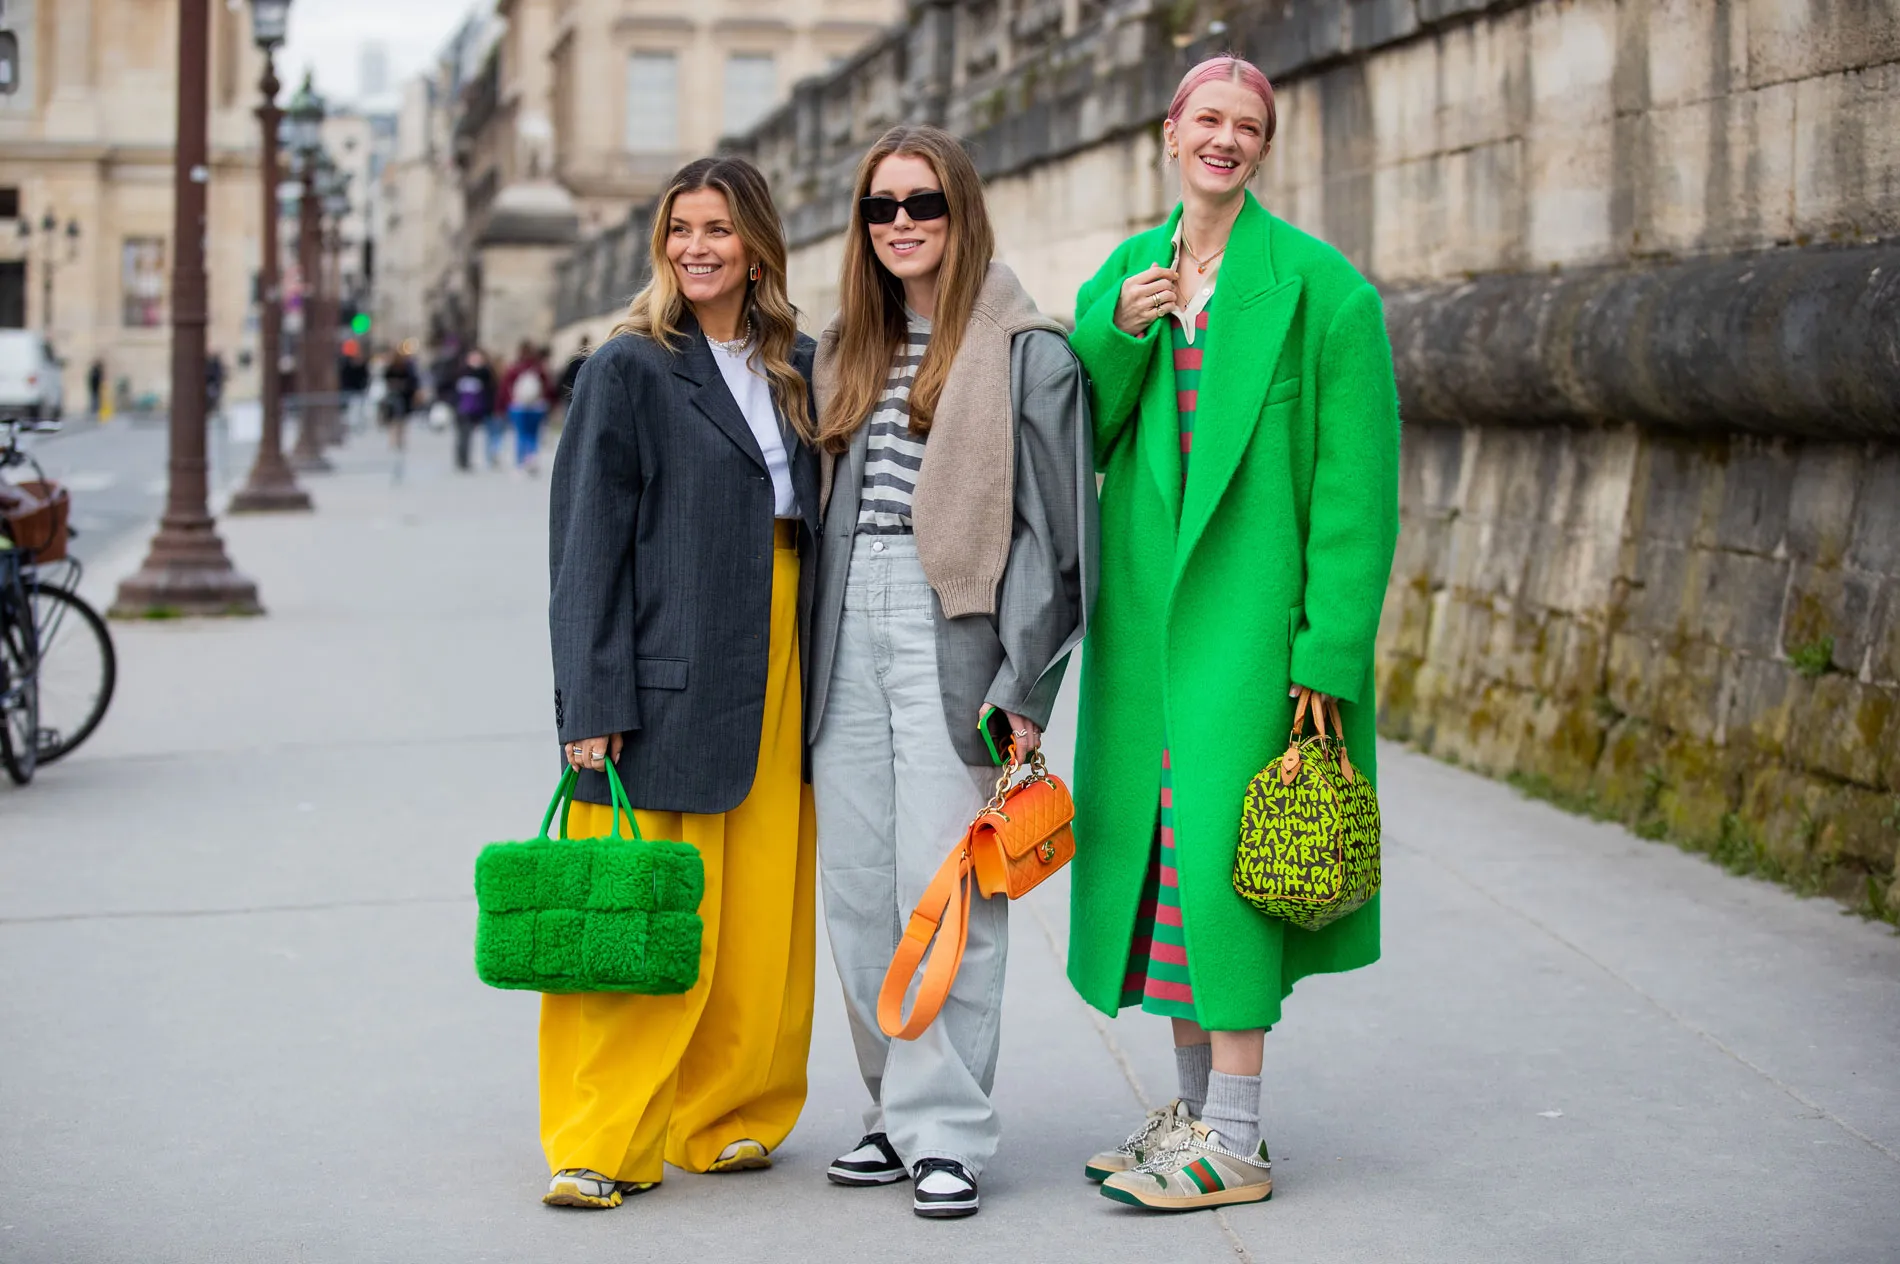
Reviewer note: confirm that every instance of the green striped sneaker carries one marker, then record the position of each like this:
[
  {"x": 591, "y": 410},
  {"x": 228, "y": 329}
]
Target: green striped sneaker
[
  {"x": 1153, "y": 1135},
  {"x": 1193, "y": 1173}
]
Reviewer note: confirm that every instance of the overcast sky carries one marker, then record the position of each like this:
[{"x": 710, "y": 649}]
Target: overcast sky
[{"x": 330, "y": 34}]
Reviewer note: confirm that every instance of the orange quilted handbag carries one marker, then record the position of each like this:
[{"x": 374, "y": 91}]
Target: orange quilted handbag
[{"x": 1019, "y": 838}]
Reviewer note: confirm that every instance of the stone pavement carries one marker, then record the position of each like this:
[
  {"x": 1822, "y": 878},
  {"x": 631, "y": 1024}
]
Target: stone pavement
[{"x": 238, "y": 1019}]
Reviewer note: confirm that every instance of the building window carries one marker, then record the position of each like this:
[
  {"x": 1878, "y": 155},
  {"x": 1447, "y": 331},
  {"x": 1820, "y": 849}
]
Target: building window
[
  {"x": 9, "y": 204},
  {"x": 653, "y": 103},
  {"x": 142, "y": 282},
  {"x": 751, "y": 90}
]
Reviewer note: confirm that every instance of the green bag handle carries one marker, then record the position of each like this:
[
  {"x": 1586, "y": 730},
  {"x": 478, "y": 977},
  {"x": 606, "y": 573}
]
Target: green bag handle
[{"x": 563, "y": 802}]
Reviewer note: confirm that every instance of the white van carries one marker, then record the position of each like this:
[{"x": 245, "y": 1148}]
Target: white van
[{"x": 30, "y": 387}]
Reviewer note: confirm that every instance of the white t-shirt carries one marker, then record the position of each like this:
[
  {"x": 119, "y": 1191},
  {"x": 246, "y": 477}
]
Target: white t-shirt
[{"x": 754, "y": 395}]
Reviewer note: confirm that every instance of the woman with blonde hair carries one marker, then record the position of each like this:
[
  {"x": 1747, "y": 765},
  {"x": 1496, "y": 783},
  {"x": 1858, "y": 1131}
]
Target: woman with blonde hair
[
  {"x": 684, "y": 507},
  {"x": 1247, "y": 426},
  {"x": 953, "y": 582}
]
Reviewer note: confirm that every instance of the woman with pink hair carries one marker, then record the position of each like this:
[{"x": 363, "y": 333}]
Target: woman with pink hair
[{"x": 1246, "y": 425}]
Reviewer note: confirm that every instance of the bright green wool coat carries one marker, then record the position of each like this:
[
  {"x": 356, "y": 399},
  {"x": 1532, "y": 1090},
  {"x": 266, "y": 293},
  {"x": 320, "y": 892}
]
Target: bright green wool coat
[{"x": 1269, "y": 570}]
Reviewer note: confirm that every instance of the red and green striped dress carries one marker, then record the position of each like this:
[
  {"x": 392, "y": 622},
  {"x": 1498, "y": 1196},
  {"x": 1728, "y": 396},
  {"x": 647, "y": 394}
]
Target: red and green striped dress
[{"x": 1157, "y": 977}]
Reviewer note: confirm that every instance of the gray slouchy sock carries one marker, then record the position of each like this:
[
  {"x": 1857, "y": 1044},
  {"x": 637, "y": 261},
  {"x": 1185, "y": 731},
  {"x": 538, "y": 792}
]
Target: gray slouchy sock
[
  {"x": 1192, "y": 1065},
  {"x": 1233, "y": 1110}
]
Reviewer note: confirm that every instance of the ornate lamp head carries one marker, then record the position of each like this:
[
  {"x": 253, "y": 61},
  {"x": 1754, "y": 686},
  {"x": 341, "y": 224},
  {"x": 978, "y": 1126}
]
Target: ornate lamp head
[
  {"x": 303, "y": 117},
  {"x": 270, "y": 21}
]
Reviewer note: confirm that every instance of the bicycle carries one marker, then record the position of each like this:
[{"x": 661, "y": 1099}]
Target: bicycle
[{"x": 57, "y": 664}]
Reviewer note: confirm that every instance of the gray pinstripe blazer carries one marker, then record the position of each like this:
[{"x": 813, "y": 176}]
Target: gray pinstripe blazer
[
  {"x": 1014, "y": 659},
  {"x": 660, "y": 568}
]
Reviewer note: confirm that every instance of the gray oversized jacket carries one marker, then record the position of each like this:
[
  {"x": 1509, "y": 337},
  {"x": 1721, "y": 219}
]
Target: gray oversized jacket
[{"x": 1015, "y": 658}]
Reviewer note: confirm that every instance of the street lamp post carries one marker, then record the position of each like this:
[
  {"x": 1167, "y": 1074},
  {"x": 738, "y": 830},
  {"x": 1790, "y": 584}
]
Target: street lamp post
[
  {"x": 306, "y": 124},
  {"x": 49, "y": 234},
  {"x": 187, "y": 572},
  {"x": 272, "y": 486},
  {"x": 336, "y": 204}
]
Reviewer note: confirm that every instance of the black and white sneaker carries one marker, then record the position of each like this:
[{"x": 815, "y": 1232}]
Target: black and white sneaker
[
  {"x": 872, "y": 1163},
  {"x": 944, "y": 1190}
]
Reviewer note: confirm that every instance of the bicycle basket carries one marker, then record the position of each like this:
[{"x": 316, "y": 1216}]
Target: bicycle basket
[{"x": 36, "y": 513}]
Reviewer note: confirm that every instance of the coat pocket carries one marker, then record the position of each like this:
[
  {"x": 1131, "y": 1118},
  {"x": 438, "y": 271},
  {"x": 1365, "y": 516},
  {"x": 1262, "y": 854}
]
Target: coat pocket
[
  {"x": 1283, "y": 390},
  {"x": 659, "y": 673}
]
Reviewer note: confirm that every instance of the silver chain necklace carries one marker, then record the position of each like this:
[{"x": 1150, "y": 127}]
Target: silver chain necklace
[{"x": 738, "y": 344}]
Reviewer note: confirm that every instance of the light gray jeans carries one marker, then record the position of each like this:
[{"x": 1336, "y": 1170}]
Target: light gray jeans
[{"x": 893, "y": 797}]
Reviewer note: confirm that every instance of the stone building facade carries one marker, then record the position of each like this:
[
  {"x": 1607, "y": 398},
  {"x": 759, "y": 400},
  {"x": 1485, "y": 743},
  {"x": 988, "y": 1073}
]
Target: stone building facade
[
  {"x": 88, "y": 137},
  {"x": 1642, "y": 267},
  {"x": 418, "y": 218},
  {"x": 568, "y": 114},
  {"x": 638, "y": 89}
]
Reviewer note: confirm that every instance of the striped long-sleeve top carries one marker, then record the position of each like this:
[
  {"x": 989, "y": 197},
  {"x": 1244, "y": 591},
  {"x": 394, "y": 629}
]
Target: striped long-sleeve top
[{"x": 894, "y": 455}]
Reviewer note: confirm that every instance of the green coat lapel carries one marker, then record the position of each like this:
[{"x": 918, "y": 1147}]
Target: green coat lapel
[
  {"x": 1250, "y": 314},
  {"x": 1160, "y": 426}
]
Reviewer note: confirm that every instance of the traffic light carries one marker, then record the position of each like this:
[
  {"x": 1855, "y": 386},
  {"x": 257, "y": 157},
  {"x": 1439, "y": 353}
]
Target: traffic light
[{"x": 359, "y": 324}]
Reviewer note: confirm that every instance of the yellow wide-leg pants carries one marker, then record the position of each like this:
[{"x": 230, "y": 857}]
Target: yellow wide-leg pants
[{"x": 626, "y": 1080}]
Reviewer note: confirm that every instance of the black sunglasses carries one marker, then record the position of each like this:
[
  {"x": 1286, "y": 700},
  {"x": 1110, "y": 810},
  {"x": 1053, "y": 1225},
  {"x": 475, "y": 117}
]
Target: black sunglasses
[{"x": 919, "y": 206}]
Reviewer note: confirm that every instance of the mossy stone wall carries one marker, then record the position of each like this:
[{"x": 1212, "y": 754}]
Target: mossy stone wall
[{"x": 1699, "y": 636}]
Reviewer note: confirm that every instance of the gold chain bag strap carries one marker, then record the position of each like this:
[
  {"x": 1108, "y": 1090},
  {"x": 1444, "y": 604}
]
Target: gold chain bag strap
[
  {"x": 1309, "y": 832},
  {"x": 1021, "y": 837}
]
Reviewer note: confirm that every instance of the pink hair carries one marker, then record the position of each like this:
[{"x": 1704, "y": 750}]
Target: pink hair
[{"x": 1230, "y": 70}]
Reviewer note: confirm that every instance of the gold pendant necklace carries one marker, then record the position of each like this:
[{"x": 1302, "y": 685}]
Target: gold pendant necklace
[{"x": 1200, "y": 264}]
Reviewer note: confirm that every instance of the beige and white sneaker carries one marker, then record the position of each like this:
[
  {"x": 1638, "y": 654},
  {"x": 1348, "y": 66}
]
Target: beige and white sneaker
[
  {"x": 584, "y": 1187},
  {"x": 1192, "y": 1173},
  {"x": 741, "y": 1156},
  {"x": 1144, "y": 1141}
]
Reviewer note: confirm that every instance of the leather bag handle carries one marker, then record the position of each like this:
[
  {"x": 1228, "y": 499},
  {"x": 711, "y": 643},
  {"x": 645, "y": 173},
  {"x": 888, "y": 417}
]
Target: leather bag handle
[
  {"x": 1290, "y": 762},
  {"x": 942, "y": 913}
]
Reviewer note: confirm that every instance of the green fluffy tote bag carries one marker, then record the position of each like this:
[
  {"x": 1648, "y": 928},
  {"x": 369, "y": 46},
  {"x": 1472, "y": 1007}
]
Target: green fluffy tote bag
[
  {"x": 1309, "y": 832},
  {"x": 610, "y": 914}
]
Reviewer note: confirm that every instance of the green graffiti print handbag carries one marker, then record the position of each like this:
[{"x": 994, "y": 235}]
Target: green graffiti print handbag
[
  {"x": 1309, "y": 833},
  {"x": 612, "y": 914}
]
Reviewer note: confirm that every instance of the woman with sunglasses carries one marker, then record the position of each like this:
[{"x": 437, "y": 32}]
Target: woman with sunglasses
[
  {"x": 683, "y": 503},
  {"x": 1247, "y": 424},
  {"x": 954, "y": 575}
]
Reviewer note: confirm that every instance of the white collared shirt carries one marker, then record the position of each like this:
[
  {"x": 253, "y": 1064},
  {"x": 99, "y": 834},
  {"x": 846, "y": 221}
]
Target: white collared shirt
[
  {"x": 753, "y": 393},
  {"x": 1189, "y": 315}
]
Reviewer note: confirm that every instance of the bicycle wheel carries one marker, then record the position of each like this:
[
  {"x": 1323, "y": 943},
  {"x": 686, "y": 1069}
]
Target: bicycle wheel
[
  {"x": 78, "y": 670},
  {"x": 19, "y": 693}
]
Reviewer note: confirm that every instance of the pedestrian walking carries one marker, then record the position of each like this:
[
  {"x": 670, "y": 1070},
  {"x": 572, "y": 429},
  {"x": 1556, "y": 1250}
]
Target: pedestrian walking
[
  {"x": 494, "y": 427},
  {"x": 564, "y": 395},
  {"x": 95, "y": 386},
  {"x": 526, "y": 387},
  {"x": 353, "y": 378},
  {"x": 400, "y": 385},
  {"x": 684, "y": 505},
  {"x": 214, "y": 384},
  {"x": 474, "y": 393},
  {"x": 444, "y": 370},
  {"x": 953, "y": 583},
  {"x": 572, "y": 371},
  {"x": 1247, "y": 425}
]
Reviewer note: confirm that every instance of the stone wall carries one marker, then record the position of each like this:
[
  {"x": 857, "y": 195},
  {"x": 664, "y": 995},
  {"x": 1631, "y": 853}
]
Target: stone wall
[
  {"x": 1646, "y": 336},
  {"x": 1699, "y": 635}
]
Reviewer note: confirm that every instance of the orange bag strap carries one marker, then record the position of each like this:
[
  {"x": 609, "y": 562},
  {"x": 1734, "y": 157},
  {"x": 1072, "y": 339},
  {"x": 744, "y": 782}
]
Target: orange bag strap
[{"x": 944, "y": 906}]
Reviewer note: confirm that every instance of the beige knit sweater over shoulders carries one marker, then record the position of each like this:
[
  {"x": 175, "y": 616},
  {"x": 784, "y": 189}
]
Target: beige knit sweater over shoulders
[{"x": 963, "y": 512}]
